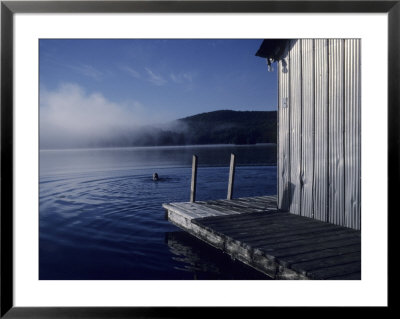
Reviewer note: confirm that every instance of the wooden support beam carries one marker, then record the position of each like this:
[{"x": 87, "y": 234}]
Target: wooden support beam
[
  {"x": 194, "y": 179},
  {"x": 231, "y": 177}
]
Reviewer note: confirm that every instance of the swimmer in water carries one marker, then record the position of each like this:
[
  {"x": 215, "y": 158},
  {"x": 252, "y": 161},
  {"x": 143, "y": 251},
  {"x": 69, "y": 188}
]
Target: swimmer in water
[{"x": 155, "y": 177}]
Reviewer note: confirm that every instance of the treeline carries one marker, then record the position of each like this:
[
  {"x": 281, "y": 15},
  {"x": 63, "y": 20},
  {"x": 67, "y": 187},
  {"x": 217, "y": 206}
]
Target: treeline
[
  {"x": 218, "y": 127},
  {"x": 231, "y": 127}
]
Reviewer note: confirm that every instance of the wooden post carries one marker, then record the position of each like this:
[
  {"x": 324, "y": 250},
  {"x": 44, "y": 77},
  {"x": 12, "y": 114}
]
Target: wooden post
[
  {"x": 231, "y": 177},
  {"x": 194, "y": 178}
]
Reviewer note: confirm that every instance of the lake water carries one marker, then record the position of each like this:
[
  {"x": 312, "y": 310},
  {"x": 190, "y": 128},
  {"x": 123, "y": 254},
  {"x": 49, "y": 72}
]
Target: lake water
[{"x": 101, "y": 216}]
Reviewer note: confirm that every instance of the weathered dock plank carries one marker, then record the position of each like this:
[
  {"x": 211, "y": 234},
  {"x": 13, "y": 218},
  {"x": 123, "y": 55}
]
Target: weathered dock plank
[
  {"x": 279, "y": 244},
  {"x": 339, "y": 270},
  {"x": 309, "y": 247},
  {"x": 318, "y": 255},
  {"x": 353, "y": 276},
  {"x": 306, "y": 267}
]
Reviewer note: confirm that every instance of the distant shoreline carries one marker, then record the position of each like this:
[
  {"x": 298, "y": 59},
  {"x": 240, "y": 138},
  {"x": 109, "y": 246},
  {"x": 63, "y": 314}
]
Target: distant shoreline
[
  {"x": 212, "y": 128},
  {"x": 154, "y": 146}
]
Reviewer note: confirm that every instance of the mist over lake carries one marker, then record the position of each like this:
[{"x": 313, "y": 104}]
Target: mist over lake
[
  {"x": 112, "y": 112},
  {"x": 101, "y": 215}
]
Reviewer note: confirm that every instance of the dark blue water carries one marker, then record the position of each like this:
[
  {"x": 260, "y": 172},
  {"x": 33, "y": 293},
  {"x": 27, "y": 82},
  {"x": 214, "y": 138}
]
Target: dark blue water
[{"x": 101, "y": 217}]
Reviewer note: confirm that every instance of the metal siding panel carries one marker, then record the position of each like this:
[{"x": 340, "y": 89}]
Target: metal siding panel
[
  {"x": 307, "y": 136},
  {"x": 336, "y": 136},
  {"x": 352, "y": 136},
  {"x": 295, "y": 127},
  {"x": 321, "y": 131},
  {"x": 283, "y": 135}
]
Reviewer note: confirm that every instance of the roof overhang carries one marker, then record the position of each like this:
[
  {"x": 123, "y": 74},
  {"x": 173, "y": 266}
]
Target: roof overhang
[{"x": 273, "y": 49}]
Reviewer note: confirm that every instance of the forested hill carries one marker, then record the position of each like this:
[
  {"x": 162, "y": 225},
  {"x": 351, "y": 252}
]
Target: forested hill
[
  {"x": 218, "y": 127},
  {"x": 231, "y": 127}
]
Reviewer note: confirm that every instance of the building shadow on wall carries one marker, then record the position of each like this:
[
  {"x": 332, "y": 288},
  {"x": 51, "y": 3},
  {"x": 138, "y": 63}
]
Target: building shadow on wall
[{"x": 286, "y": 200}]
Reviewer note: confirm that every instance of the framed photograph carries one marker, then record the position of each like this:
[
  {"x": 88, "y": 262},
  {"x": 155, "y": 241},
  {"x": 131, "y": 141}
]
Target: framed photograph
[{"x": 161, "y": 156}]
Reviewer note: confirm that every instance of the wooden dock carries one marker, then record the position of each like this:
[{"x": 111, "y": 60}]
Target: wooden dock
[{"x": 279, "y": 244}]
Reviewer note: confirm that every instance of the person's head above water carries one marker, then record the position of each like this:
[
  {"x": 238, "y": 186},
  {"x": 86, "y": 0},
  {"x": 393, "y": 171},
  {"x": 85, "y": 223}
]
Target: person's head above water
[{"x": 155, "y": 176}]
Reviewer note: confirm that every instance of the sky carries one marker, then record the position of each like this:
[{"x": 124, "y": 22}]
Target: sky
[{"x": 93, "y": 86}]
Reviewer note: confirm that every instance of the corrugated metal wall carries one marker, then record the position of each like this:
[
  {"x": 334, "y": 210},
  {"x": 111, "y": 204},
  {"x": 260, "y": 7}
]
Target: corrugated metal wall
[
  {"x": 295, "y": 126},
  {"x": 320, "y": 183},
  {"x": 284, "y": 138},
  {"x": 319, "y": 160}
]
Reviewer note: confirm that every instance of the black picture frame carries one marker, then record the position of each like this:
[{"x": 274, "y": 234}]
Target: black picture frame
[{"x": 9, "y": 8}]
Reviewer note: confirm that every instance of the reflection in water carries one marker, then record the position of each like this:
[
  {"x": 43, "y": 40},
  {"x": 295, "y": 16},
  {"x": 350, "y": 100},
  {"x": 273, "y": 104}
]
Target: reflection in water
[
  {"x": 205, "y": 261},
  {"x": 105, "y": 159}
]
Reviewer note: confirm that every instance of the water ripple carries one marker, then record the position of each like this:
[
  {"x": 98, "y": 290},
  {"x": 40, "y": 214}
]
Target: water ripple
[{"x": 109, "y": 224}]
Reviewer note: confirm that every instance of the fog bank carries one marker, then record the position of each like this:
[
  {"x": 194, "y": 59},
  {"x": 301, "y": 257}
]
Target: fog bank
[{"x": 71, "y": 117}]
